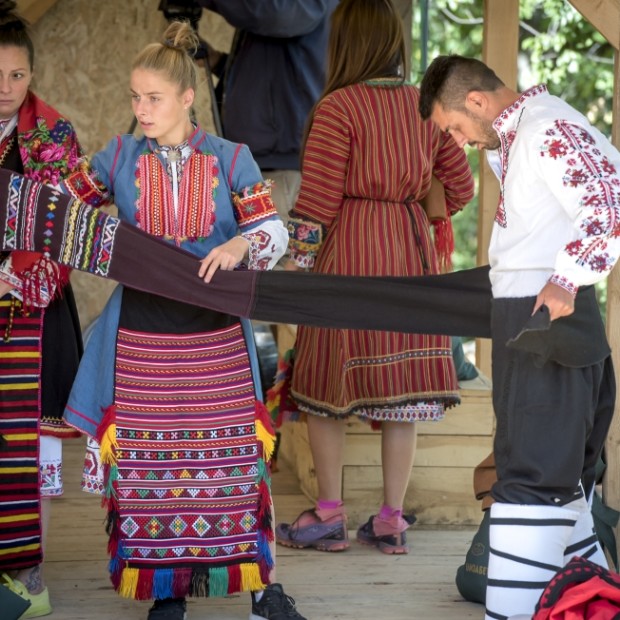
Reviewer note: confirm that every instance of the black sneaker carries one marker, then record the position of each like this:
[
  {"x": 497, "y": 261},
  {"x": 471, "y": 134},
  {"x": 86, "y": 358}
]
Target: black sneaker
[
  {"x": 168, "y": 609},
  {"x": 274, "y": 605}
]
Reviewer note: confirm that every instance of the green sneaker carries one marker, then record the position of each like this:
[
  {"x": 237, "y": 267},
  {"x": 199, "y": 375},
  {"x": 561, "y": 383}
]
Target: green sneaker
[{"x": 39, "y": 603}]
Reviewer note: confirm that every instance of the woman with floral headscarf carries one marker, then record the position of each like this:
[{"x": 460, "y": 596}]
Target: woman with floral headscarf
[{"x": 40, "y": 338}]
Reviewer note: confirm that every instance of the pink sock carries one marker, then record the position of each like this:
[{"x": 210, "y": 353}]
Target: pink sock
[
  {"x": 328, "y": 504},
  {"x": 387, "y": 512}
]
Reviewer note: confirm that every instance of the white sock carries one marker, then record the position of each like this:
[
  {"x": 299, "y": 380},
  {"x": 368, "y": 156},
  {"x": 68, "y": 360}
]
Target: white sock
[{"x": 526, "y": 549}]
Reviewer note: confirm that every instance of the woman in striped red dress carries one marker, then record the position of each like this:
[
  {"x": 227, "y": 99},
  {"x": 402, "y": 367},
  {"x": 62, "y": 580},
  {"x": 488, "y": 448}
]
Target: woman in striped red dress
[{"x": 368, "y": 164}]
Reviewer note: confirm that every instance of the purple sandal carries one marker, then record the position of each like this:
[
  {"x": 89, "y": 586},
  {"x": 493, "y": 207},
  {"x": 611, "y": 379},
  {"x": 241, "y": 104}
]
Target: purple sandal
[
  {"x": 309, "y": 530},
  {"x": 391, "y": 537}
]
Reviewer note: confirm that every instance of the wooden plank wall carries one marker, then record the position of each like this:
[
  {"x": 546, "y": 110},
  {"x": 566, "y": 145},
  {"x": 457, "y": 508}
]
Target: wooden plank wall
[{"x": 441, "y": 488}]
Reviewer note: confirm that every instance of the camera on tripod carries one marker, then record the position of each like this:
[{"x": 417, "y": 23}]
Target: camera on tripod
[{"x": 181, "y": 10}]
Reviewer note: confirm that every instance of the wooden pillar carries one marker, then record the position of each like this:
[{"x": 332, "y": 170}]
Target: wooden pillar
[
  {"x": 611, "y": 486},
  {"x": 499, "y": 51},
  {"x": 605, "y": 16}
]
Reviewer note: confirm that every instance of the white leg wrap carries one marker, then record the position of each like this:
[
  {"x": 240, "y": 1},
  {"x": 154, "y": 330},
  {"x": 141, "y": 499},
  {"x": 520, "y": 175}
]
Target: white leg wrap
[
  {"x": 527, "y": 544},
  {"x": 583, "y": 540}
]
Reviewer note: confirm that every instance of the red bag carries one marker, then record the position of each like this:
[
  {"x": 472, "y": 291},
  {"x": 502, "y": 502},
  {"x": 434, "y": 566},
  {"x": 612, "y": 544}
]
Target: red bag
[{"x": 582, "y": 590}]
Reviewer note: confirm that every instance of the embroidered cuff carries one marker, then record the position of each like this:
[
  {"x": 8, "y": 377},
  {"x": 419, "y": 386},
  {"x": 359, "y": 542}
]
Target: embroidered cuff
[
  {"x": 7, "y": 274},
  {"x": 305, "y": 239},
  {"x": 303, "y": 261},
  {"x": 82, "y": 186},
  {"x": 259, "y": 257},
  {"x": 35, "y": 287},
  {"x": 564, "y": 283},
  {"x": 253, "y": 204}
]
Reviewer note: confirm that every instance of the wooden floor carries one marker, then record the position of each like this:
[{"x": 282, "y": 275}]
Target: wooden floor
[{"x": 360, "y": 583}]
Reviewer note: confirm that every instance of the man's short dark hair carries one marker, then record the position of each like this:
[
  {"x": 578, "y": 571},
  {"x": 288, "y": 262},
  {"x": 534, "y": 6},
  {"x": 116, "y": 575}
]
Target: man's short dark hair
[{"x": 449, "y": 79}]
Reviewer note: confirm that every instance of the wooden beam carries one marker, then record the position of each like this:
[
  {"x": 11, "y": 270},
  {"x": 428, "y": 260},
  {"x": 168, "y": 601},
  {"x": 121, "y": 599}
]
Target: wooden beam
[
  {"x": 604, "y": 15},
  {"x": 611, "y": 484},
  {"x": 499, "y": 51},
  {"x": 405, "y": 8},
  {"x": 32, "y": 10}
]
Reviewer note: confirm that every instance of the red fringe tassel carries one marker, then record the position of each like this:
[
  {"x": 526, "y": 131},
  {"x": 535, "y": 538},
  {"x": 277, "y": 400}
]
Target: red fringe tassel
[
  {"x": 264, "y": 509},
  {"x": 144, "y": 589},
  {"x": 234, "y": 579},
  {"x": 444, "y": 243}
]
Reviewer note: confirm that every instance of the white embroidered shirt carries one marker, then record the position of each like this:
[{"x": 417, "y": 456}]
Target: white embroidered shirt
[{"x": 558, "y": 217}]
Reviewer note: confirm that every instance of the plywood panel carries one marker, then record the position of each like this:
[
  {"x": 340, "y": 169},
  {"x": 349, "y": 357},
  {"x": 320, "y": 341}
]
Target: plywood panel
[
  {"x": 32, "y": 10},
  {"x": 432, "y": 450},
  {"x": 438, "y": 496},
  {"x": 442, "y": 477},
  {"x": 324, "y": 585}
]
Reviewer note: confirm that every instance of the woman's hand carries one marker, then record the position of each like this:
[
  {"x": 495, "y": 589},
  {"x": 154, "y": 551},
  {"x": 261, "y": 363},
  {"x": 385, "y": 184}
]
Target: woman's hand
[
  {"x": 290, "y": 265},
  {"x": 5, "y": 288},
  {"x": 226, "y": 256}
]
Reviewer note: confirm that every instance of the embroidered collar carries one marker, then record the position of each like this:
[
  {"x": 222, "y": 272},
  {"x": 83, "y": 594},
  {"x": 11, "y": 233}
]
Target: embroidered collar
[
  {"x": 7, "y": 126},
  {"x": 509, "y": 116},
  {"x": 386, "y": 82},
  {"x": 176, "y": 153},
  {"x": 194, "y": 140}
]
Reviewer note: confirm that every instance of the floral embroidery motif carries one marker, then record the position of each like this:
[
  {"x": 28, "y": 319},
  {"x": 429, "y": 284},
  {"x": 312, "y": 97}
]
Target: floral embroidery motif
[
  {"x": 510, "y": 110},
  {"x": 586, "y": 168},
  {"x": 507, "y": 138},
  {"x": 564, "y": 283},
  {"x": 259, "y": 241},
  {"x": 48, "y": 155},
  {"x": 85, "y": 185},
  {"x": 253, "y": 205},
  {"x": 305, "y": 239}
]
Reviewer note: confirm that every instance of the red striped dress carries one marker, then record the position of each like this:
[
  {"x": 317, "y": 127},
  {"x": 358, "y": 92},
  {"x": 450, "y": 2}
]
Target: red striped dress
[{"x": 368, "y": 160}]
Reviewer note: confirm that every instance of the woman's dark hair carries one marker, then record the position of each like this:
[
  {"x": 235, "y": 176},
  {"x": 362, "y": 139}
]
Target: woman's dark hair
[
  {"x": 366, "y": 41},
  {"x": 14, "y": 30}
]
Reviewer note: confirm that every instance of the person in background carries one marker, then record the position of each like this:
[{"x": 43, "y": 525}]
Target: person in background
[
  {"x": 270, "y": 80},
  {"x": 369, "y": 161},
  {"x": 469, "y": 376},
  {"x": 555, "y": 235},
  {"x": 40, "y": 337},
  {"x": 169, "y": 390}
]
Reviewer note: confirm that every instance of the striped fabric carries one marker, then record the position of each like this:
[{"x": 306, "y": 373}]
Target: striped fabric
[
  {"x": 196, "y": 210},
  {"x": 189, "y": 477},
  {"x": 526, "y": 550},
  {"x": 138, "y": 260},
  {"x": 368, "y": 161},
  {"x": 20, "y": 360}
]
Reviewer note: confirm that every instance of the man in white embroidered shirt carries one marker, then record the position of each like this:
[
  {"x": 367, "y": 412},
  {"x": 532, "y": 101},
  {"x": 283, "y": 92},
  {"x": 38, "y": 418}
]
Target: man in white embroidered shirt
[{"x": 556, "y": 233}]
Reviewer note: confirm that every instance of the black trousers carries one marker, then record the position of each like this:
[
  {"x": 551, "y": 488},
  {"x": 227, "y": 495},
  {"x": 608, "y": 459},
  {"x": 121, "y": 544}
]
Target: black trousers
[{"x": 553, "y": 404}]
